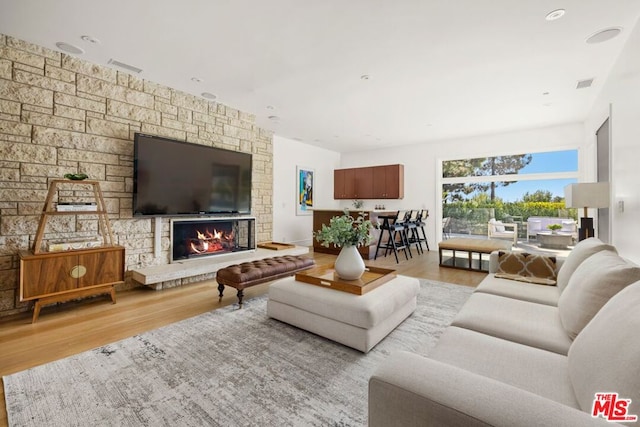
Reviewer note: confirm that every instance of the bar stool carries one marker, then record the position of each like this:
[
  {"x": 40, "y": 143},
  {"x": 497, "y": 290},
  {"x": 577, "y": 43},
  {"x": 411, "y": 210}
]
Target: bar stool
[
  {"x": 411, "y": 229},
  {"x": 420, "y": 223},
  {"x": 393, "y": 225}
]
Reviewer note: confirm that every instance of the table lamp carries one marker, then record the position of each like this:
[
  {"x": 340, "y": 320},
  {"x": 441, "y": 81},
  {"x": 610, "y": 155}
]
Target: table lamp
[{"x": 586, "y": 195}]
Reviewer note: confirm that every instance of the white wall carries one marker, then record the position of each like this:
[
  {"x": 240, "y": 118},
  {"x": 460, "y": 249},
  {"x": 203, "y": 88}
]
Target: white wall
[
  {"x": 621, "y": 95},
  {"x": 422, "y": 163},
  {"x": 287, "y": 154}
]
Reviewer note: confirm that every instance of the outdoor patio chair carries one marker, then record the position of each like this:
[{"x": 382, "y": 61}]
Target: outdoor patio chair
[{"x": 500, "y": 230}]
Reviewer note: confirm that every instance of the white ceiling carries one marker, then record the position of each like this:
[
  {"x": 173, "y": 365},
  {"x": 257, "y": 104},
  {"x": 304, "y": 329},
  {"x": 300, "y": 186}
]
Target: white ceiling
[{"x": 438, "y": 68}]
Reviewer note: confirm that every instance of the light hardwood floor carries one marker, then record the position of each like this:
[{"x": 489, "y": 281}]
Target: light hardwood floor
[{"x": 70, "y": 328}]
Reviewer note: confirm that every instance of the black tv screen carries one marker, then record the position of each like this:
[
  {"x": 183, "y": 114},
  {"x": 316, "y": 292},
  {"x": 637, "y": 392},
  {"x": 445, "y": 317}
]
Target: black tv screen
[{"x": 179, "y": 178}]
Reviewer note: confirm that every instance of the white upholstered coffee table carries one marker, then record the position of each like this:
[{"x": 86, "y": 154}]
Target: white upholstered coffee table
[{"x": 357, "y": 321}]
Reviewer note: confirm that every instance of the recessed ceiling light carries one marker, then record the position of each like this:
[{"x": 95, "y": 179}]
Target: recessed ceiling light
[
  {"x": 196, "y": 79},
  {"x": 555, "y": 14},
  {"x": 365, "y": 77},
  {"x": 274, "y": 118},
  {"x": 208, "y": 95},
  {"x": 269, "y": 107},
  {"x": 545, "y": 93},
  {"x": 69, "y": 48},
  {"x": 90, "y": 39},
  {"x": 604, "y": 35}
]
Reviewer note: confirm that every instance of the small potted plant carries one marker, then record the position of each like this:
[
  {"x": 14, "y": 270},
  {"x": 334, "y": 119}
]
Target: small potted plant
[
  {"x": 554, "y": 228},
  {"x": 348, "y": 233}
]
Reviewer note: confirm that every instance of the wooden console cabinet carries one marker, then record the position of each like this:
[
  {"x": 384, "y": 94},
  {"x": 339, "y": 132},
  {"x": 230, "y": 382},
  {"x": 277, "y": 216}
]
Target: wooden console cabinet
[
  {"x": 61, "y": 276},
  {"x": 373, "y": 182}
]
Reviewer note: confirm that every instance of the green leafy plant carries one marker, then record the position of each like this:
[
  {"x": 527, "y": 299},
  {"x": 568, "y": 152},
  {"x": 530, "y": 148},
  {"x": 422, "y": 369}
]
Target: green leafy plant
[
  {"x": 554, "y": 227},
  {"x": 76, "y": 176},
  {"x": 345, "y": 230}
]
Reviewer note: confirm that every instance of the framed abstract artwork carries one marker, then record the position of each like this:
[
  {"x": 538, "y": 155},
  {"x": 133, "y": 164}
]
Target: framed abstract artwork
[{"x": 304, "y": 197}]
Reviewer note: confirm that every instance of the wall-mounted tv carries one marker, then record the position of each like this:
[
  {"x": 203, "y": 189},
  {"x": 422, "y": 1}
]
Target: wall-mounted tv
[{"x": 178, "y": 178}]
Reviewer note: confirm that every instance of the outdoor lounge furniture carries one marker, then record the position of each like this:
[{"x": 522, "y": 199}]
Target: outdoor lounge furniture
[
  {"x": 500, "y": 230},
  {"x": 537, "y": 224}
]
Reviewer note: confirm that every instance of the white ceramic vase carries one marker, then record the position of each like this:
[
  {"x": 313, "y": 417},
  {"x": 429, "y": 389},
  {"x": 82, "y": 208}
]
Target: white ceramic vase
[{"x": 349, "y": 264}]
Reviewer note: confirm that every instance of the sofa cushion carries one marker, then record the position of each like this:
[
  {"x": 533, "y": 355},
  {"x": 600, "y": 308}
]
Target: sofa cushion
[
  {"x": 538, "y": 371},
  {"x": 606, "y": 355},
  {"x": 523, "y": 322},
  {"x": 583, "y": 250},
  {"x": 525, "y": 267},
  {"x": 548, "y": 295},
  {"x": 594, "y": 282}
]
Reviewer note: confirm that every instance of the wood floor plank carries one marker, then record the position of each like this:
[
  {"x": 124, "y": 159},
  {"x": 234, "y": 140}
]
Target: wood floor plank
[{"x": 70, "y": 328}]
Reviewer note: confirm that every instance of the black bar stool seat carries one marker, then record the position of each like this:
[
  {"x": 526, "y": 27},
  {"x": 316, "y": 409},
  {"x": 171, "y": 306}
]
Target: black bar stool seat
[{"x": 392, "y": 225}]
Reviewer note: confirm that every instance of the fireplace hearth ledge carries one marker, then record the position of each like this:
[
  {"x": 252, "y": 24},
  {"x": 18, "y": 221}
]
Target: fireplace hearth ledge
[{"x": 179, "y": 270}]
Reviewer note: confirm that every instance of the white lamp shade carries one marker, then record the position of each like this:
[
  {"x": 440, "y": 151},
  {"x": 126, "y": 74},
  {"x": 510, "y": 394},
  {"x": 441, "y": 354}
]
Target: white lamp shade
[{"x": 587, "y": 195}]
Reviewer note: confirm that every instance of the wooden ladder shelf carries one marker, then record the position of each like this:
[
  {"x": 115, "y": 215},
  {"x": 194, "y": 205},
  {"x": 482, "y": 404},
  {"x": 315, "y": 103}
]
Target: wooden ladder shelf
[{"x": 48, "y": 211}]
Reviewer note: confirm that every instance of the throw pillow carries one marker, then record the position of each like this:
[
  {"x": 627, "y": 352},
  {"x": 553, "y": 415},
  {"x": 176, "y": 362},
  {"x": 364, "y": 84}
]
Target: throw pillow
[
  {"x": 604, "y": 357},
  {"x": 594, "y": 282},
  {"x": 499, "y": 227},
  {"x": 583, "y": 250},
  {"x": 526, "y": 267},
  {"x": 568, "y": 226}
]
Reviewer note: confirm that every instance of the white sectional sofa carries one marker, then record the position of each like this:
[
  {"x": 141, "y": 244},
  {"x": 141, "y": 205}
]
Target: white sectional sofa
[{"x": 525, "y": 354}]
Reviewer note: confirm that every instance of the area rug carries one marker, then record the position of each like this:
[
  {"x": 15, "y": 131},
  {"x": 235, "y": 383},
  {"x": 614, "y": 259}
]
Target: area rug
[{"x": 228, "y": 367}]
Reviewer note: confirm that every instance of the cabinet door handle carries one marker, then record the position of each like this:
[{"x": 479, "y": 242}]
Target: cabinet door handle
[{"x": 78, "y": 271}]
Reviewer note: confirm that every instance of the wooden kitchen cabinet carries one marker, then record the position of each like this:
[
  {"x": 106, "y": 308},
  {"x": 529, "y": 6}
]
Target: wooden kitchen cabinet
[
  {"x": 364, "y": 183},
  {"x": 344, "y": 184},
  {"x": 388, "y": 182},
  {"x": 373, "y": 182}
]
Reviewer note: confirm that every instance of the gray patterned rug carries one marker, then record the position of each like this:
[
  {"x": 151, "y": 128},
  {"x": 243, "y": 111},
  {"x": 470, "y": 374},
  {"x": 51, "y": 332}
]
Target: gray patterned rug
[{"x": 228, "y": 367}]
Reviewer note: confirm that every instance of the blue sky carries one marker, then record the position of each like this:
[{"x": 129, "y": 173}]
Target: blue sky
[{"x": 557, "y": 161}]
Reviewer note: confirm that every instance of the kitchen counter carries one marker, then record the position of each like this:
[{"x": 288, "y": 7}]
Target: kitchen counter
[{"x": 322, "y": 216}]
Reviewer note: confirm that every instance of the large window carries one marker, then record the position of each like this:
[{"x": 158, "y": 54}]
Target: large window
[{"x": 509, "y": 188}]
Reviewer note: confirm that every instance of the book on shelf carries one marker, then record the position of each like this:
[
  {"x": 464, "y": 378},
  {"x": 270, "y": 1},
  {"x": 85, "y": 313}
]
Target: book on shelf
[
  {"x": 70, "y": 207},
  {"x": 73, "y": 244}
]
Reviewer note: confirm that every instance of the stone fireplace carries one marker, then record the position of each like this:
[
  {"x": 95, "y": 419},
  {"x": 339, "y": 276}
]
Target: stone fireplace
[{"x": 205, "y": 237}]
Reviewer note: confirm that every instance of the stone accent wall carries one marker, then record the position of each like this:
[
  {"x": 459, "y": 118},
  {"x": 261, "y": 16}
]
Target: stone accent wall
[{"x": 60, "y": 114}]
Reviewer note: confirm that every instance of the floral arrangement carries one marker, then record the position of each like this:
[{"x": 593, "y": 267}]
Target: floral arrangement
[
  {"x": 345, "y": 230},
  {"x": 554, "y": 227}
]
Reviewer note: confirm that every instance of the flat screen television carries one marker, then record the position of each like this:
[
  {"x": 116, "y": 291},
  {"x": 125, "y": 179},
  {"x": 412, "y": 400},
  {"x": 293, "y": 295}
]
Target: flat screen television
[{"x": 178, "y": 178}]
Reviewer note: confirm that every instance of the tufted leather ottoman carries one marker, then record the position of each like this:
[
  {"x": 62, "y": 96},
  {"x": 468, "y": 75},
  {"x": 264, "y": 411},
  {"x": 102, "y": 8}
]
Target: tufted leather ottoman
[{"x": 247, "y": 274}]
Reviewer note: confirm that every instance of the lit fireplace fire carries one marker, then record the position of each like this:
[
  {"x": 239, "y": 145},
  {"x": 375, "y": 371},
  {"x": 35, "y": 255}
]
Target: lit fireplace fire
[{"x": 211, "y": 241}]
